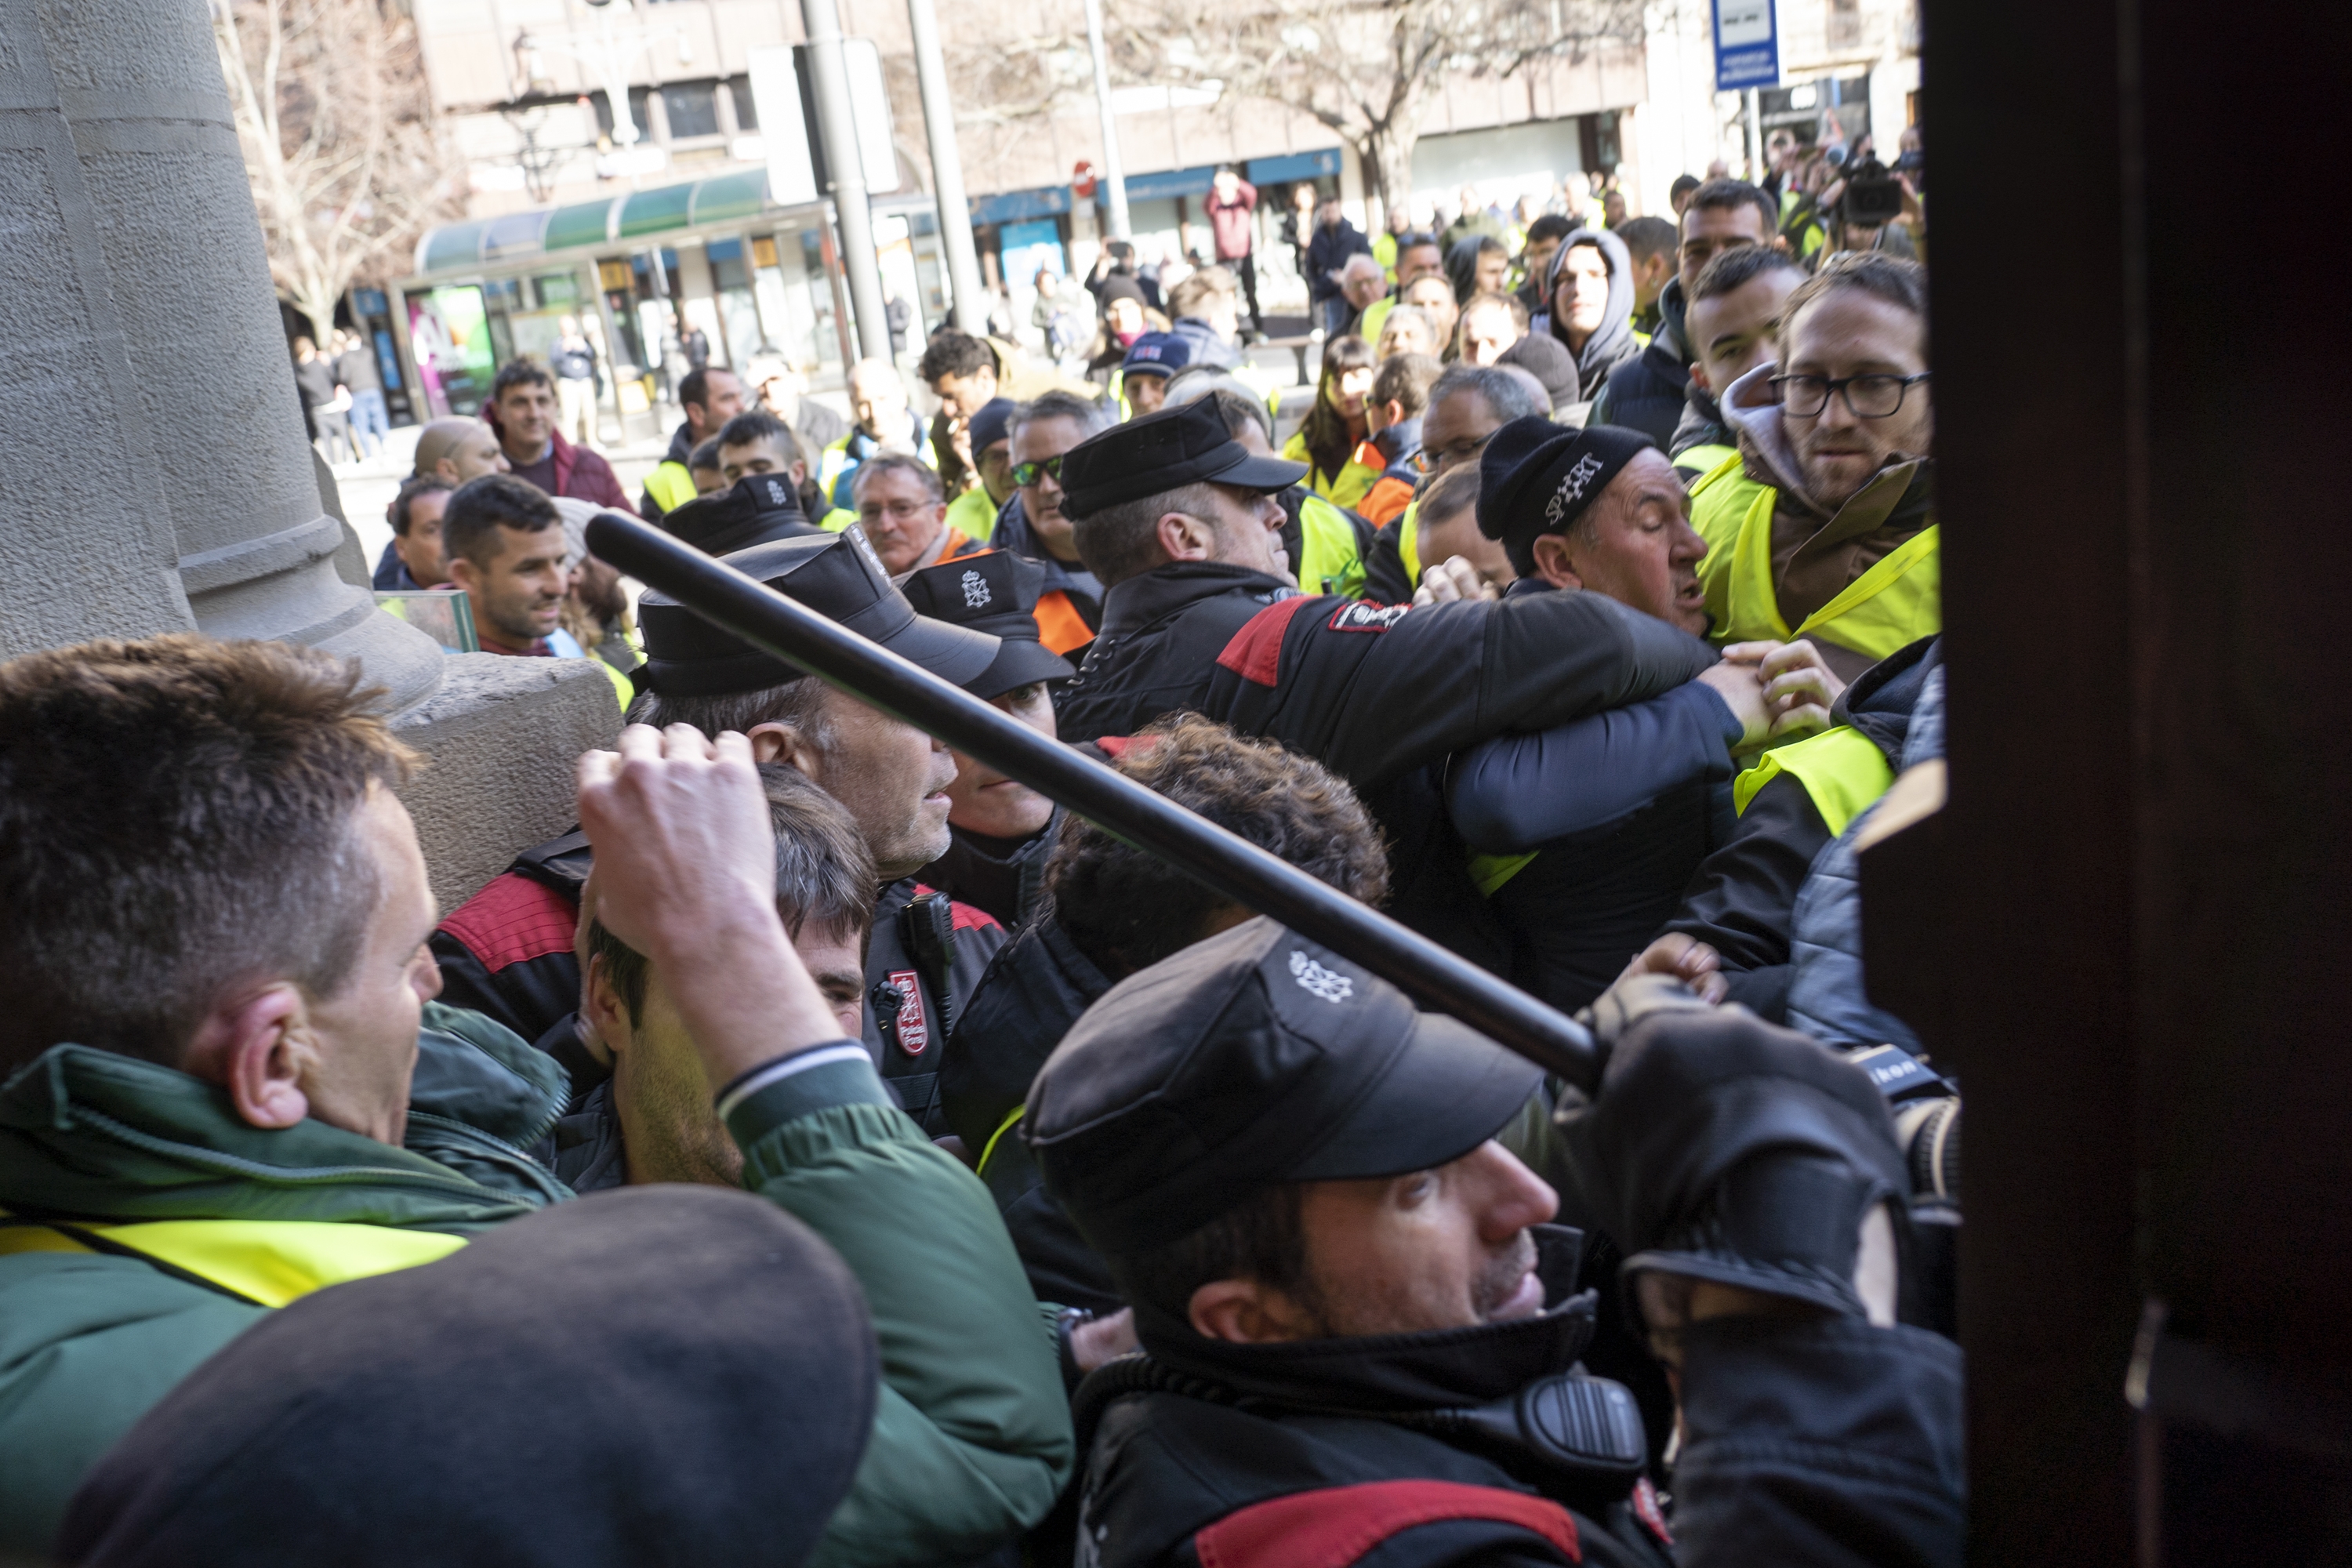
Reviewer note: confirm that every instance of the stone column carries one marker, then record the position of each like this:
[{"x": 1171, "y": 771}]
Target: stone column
[
  {"x": 151, "y": 445},
  {"x": 166, "y": 481}
]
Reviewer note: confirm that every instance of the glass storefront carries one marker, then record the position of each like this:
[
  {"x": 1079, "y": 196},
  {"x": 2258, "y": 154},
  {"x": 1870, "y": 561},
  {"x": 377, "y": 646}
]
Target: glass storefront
[{"x": 449, "y": 330}]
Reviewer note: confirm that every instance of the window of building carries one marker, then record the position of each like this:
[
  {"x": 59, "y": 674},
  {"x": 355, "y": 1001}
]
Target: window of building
[
  {"x": 692, "y": 108},
  {"x": 747, "y": 113}
]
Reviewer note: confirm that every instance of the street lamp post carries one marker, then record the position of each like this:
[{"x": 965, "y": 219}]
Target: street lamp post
[
  {"x": 947, "y": 170},
  {"x": 1113, "y": 180}
]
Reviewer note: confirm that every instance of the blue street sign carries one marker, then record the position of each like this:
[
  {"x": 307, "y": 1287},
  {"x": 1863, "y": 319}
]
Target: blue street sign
[{"x": 1747, "y": 45}]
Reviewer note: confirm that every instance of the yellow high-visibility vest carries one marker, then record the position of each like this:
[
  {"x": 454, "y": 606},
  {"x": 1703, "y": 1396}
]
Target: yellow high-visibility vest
[
  {"x": 972, "y": 514},
  {"x": 271, "y": 1262},
  {"x": 1330, "y": 560},
  {"x": 1345, "y": 488},
  {"x": 670, "y": 485},
  {"x": 1895, "y": 604}
]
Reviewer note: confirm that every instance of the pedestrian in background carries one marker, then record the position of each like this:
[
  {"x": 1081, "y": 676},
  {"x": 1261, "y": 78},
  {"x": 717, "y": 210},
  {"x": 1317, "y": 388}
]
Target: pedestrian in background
[
  {"x": 1232, "y": 226},
  {"x": 355, "y": 373}
]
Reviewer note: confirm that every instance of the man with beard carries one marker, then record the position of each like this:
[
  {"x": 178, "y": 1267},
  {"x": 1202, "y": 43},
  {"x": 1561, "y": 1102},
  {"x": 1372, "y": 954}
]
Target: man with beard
[
  {"x": 1361, "y": 1334},
  {"x": 1827, "y": 530}
]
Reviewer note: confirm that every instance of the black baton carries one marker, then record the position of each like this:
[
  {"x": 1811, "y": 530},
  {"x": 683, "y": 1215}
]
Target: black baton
[{"x": 1229, "y": 865}]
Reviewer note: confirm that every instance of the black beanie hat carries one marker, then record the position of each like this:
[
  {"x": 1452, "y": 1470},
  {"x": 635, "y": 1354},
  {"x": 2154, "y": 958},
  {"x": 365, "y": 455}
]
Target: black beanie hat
[
  {"x": 1537, "y": 477},
  {"x": 664, "y": 1374}
]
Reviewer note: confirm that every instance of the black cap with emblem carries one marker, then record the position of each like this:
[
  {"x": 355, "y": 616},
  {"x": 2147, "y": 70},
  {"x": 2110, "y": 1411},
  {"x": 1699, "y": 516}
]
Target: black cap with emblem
[
  {"x": 994, "y": 591},
  {"x": 835, "y": 574},
  {"x": 760, "y": 510},
  {"x": 1537, "y": 477},
  {"x": 1162, "y": 452},
  {"x": 1252, "y": 1058}
]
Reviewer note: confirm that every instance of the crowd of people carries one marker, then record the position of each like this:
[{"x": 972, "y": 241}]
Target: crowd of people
[{"x": 833, "y": 1149}]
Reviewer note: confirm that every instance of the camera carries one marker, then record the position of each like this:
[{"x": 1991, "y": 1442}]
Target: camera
[{"x": 1873, "y": 194}]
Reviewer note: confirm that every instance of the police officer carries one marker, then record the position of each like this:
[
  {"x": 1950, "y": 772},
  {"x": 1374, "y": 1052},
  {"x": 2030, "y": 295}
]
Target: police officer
[
  {"x": 1359, "y": 1333},
  {"x": 1179, "y": 520},
  {"x": 1002, "y": 829}
]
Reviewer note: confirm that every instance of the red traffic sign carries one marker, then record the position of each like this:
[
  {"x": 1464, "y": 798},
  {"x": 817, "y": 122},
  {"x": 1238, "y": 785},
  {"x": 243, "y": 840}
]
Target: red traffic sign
[{"x": 1082, "y": 180}]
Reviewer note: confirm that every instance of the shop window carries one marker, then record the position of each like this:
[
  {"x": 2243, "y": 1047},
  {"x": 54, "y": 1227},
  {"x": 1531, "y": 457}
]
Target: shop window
[{"x": 692, "y": 108}]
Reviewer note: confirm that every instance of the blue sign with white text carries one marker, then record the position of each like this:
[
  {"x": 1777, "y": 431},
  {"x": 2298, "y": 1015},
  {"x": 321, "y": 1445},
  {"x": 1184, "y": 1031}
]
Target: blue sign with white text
[{"x": 1747, "y": 45}]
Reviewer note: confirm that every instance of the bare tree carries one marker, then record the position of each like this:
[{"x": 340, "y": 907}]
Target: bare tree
[
  {"x": 336, "y": 123},
  {"x": 1366, "y": 69}
]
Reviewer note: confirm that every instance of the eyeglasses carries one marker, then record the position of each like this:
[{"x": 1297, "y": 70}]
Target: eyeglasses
[
  {"x": 1027, "y": 474},
  {"x": 1866, "y": 397}
]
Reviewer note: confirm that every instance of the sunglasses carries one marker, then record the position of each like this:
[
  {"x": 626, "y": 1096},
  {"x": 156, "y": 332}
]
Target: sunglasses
[{"x": 1027, "y": 474}]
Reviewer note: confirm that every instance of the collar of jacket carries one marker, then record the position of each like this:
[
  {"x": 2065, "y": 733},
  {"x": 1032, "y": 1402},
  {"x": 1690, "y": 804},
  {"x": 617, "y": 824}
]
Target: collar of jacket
[
  {"x": 1012, "y": 533},
  {"x": 1399, "y": 441},
  {"x": 1880, "y": 701},
  {"x": 681, "y": 445},
  {"x": 1438, "y": 1371},
  {"x": 91, "y": 1134},
  {"x": 1702, "y": 423},
  {"x": 1673, "y": 336},
  {"x": 1144, "y": 601}
]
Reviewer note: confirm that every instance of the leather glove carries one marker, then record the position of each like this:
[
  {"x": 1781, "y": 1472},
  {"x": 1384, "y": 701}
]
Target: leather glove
[{"x": 1722, "y": 1148}]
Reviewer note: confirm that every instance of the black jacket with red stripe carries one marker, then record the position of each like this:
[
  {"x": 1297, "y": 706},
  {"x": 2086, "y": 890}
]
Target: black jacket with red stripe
[
  {"x": 508, "y": 951},
  {"x": 1824, "y": 1442},
  {"x": 1379, "y": 694}
]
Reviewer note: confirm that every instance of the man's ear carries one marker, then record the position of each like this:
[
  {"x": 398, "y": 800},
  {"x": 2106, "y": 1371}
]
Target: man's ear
[
  {"x": 1183, "y": 537},
  {"x": 799, "y": 472},
  {"x": 1552, "y": 553},
  {"x": 602, "y": 1011},
  {"x": 464, "y": 572},
  {"x": 1698, "y": 377},
  {"x": 257, "y": 1050},
  {"x": 774, "y": 742},
  {"x": 1244, "y": 1312}
]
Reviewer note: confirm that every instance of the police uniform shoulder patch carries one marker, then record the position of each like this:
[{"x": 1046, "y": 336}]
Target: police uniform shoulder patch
[{"x": 1355, "y": 616}]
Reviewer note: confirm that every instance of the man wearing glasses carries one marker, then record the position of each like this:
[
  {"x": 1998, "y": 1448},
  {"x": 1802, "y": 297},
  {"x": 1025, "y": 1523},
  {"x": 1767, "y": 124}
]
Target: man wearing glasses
[
  {"x": 1069, "y": 607},
  {"x": 1826, "y": 530}
]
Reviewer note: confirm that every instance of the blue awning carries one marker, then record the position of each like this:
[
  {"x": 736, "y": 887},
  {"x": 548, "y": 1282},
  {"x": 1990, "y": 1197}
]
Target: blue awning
[
  {"x": 1295, "y": 166},
  {"x": 1171, "y": 183},
  {"x": 1019, "y": 206}
]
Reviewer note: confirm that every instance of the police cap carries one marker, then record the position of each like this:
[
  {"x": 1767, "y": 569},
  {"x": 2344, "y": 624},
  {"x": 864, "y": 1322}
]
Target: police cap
[
  {"x": 1162, "y": 452},
  {"x": 1252, "y": 1059},
  {"x": 758, "y": 509},
  {"x": 994, "y": 591},
  {"x": 835, "y": 574}
]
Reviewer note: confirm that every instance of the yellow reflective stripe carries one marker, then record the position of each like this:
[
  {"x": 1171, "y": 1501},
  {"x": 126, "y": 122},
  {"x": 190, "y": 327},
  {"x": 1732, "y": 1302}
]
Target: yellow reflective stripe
[
  {"x": 1408, "y": 542},
  {"x": 1841, "y": 769},
  {"x": 1491, "y": 872},
  {"x": 1002, "y": 1129},
  {"x": 671, "y": 485},
  {"x": 269, "y": 1262}
]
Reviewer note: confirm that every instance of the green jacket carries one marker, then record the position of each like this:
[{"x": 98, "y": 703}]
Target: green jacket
[{"x": 971, "y": 1435}]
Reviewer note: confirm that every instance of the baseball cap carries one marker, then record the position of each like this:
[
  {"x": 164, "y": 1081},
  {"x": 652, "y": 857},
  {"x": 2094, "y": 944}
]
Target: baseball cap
[
  {"x": 1157, "y": 354},
  {"x": 992, "y": 423},
  {"x": 835, "y": 574},
  {"x": 758, "y": 509},
  {"x": 1257, "y": 1056},
  {"x": 994, "y": 592},
  {"x": 1162, "y": 452},
  {"x": 416, "y": 1416}
]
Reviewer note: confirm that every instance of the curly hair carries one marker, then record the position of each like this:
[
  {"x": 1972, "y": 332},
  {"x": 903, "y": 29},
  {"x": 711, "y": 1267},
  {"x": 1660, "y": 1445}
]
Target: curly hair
[{"x": 1127, "y": 908}]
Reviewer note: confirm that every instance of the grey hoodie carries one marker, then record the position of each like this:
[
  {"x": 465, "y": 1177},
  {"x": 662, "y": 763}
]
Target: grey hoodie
[{"x": 1614, "y": 343}]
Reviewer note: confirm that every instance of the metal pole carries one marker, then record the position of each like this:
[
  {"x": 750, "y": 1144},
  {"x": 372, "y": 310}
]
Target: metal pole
[
  {"x": 1114, "y": 181},
  {"x": 1229, "y": 865},
  {"x": 838, "y": 128},
  {"x": 1756, "y": 169},
  {"x": 947, "y": 170}
]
